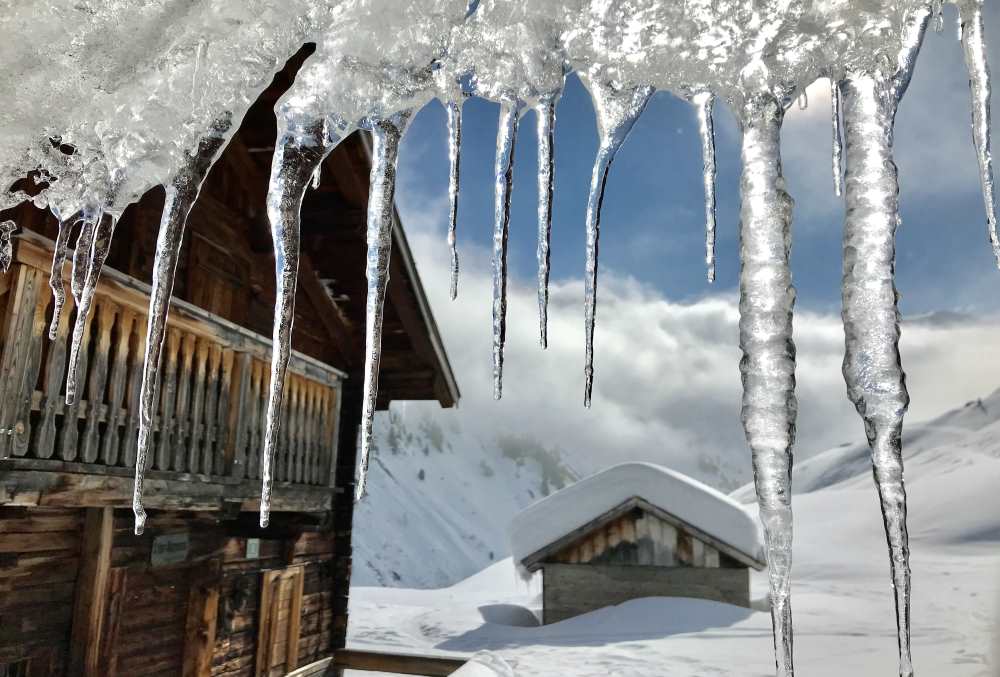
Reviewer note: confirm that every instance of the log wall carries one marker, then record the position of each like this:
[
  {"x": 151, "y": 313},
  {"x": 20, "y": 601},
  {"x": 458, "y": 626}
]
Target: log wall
[
  {"x": 573, "y": 589},
  {"x": 39, "y": 560}
]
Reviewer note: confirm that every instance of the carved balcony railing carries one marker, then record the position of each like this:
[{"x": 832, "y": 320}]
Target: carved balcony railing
[{"x": 211, "y": 400}]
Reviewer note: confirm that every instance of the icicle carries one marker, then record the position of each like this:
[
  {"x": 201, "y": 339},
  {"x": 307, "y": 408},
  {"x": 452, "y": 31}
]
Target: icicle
[
  {"x": 7, "y": 229},
  {"x": 454, "y": 109},
  {"x": 300, "y": 148},
  {"x": 872, "y": 369},
  {"x": 386, "y": 135},
  {"x": 617, "y": 110},
  {"x": 768, "y": 365},
  {"x": 974, "y": 45},
  {"x": 875, "y": 380},
  {"x": 545, "y": 113},
  {"x": 503, "y": 175},
  {"x": 317, "y": 177},
  {"x": 180, "y": 197},
  {"x": 803, "y": 100},
  {"x": 706, "y": 128},
  {"x": 92, "y": 247},
  {"x": 838, "y": 136},
  {"x": 56, "y": 273}
]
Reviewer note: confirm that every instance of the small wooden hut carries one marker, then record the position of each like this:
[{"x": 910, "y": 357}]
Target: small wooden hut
[
  {"x": 636, "y": 530},
  {"x": 204, "y": 591}
]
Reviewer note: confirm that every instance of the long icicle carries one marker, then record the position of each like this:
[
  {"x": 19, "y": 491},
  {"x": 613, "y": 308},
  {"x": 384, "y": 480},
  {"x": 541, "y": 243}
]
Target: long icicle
[
  {"x": 503, "y": 175},
  {"x": 838, "y": 138},
  {"x": 617, "y": 110},
  {"x": 875, "y": 380},
  {"x": 454, "y": 110},
  {"x": 974, "y": 47},
  {"x": 181, "y": 195},
  {"x": 386, "y": 135},
  {"x": 872, "y": 368},
  {"x": 768, "y": 365},
  {"x": 56, "y": 273},
  {"x": 93, "y": 246},
  {"x": 300, "y": 148},
  {"x": 545, "y": 116},
  {"x": 704, "y": 102}
]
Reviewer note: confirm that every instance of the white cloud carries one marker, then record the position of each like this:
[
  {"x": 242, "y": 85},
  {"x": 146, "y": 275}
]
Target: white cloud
[{"x": 667, "y": 384}]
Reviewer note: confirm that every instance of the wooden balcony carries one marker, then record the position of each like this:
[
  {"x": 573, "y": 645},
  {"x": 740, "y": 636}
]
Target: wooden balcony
[{"x": 206, "y": 448}]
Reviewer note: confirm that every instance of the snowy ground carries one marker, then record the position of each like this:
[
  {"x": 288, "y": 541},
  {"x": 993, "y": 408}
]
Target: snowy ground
[{"x": 842, "y": 603}]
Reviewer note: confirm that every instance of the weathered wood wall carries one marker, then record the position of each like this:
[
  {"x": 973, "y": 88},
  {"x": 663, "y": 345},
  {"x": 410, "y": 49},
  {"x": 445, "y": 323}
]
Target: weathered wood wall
[
  {"x": 573, "y": 589},
  {"x": 39, "y": 559},
  {"x": 641, "y": 538}
]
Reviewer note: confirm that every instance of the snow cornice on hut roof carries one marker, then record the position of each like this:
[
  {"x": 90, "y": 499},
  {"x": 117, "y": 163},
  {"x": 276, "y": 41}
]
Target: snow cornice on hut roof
[{"x": 547, "y": 526}]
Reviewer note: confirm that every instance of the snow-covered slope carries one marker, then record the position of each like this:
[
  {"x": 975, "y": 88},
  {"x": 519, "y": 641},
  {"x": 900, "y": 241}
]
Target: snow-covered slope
[
  {"x": 844, "y": 620},
  {"x": 439, "y": 500}
]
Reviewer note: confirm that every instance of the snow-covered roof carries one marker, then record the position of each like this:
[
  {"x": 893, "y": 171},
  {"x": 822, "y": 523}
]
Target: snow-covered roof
[{"x": 554, "y": 517}]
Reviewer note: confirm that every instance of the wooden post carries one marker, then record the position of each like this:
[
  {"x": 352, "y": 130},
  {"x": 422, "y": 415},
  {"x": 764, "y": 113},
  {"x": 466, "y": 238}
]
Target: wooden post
[
  {"x": 239, "y": 416},
  {"x": 91, "y": 593},
  {"x": 199, "y": 631}
]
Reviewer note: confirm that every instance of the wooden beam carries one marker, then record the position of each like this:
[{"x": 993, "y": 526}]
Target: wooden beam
[
  {"x": 199, "y": 629},
  {"x": 397, "y": 663},
  {"x": 334, "y": 319},
  {"x": 91, "y": 592}
]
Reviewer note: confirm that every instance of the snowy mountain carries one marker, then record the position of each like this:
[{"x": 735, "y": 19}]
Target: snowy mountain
[
  {"x": 439, "y": 499},
  {"x": 844, "y": 617}
]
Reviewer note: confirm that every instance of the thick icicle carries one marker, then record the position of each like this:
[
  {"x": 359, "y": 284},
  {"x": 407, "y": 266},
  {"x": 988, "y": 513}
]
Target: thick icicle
[
  {"x": 768, "y": 365},
  {"x": 838, "y": 138},
  {"x": 875, "y": 380},
  {"x": 617, "y": 110},
  {"x": 872, "y": 369},
  {"x": 706, "y": 128},
  {"x": 503, "y": 175},
  {"x": 454, "y": 109},
  {"x": 974, "y": 46},
  {"x": 300, "y": 148},
  {"x": 56, "y": 273},
  {"x": 92, "y": 249},
  {"x": 386, "y": 135},
  {"x": 545, "y": 115},
  {"x": 180, "y": 197}
]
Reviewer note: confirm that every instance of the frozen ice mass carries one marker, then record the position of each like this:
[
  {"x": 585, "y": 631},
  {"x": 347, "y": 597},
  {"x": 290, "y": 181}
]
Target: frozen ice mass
[{"x": 106, "y": 99}]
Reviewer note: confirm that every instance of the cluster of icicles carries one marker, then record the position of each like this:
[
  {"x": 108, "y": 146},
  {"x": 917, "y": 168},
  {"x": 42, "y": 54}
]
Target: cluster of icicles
[{"x": 864, "y": 106}]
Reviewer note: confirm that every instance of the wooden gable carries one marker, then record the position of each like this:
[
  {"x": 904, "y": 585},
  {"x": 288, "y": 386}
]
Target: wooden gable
[{"x": 638, "y": 533}]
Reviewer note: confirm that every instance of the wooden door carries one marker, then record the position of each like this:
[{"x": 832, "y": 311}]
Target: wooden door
[{"x": 280, "y": 617}]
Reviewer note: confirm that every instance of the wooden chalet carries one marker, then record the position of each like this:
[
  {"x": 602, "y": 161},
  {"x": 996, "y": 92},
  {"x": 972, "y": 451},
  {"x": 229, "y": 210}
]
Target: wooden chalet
[
  {"x": 204, "y": 591},
  {"x": 636, "y": 530}
]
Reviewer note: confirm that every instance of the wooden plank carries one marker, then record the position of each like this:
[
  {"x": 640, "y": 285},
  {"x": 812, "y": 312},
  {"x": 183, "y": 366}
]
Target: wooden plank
[
  {"x": 211, "y": 411},
  {"x": 18, "y": 349},
  {"x": 131, "y": 441},
  {"x": 98, "y": 378},
  {"x": 92, "y": 592},
  {"x": 199, "y": 632},
  {"x": 198, "y": 407},
  {"x": 117, "y": 590},
  {"x": 267, "y": 618},
  {"x": 222, "y": 461},
  {"x": 295, "y": 619},
  {"x": 55, "y": 377},
  {"x": 164, "y": 456},
  {"x": 239, "y": 417},
  {"x": 117, "y": 387},
  {"x": 254, "y": 418},
  {"x": 398, "y": 663},
  {"x": 182, "y": 415}
]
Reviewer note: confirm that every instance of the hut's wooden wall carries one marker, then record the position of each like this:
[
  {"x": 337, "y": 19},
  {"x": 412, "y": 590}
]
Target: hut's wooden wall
[
  {"x": 39, "y": 559},
  {"x": 573, "y": 589},
  {"x": 641, "y": 538}
]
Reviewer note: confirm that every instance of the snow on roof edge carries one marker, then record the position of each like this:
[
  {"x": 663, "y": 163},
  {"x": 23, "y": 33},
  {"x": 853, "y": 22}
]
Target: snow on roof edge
[{"x": 549, "y": 519}]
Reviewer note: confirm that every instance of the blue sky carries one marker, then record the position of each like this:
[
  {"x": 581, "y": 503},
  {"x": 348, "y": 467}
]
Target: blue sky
[{"x": 667, "y": 385}]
